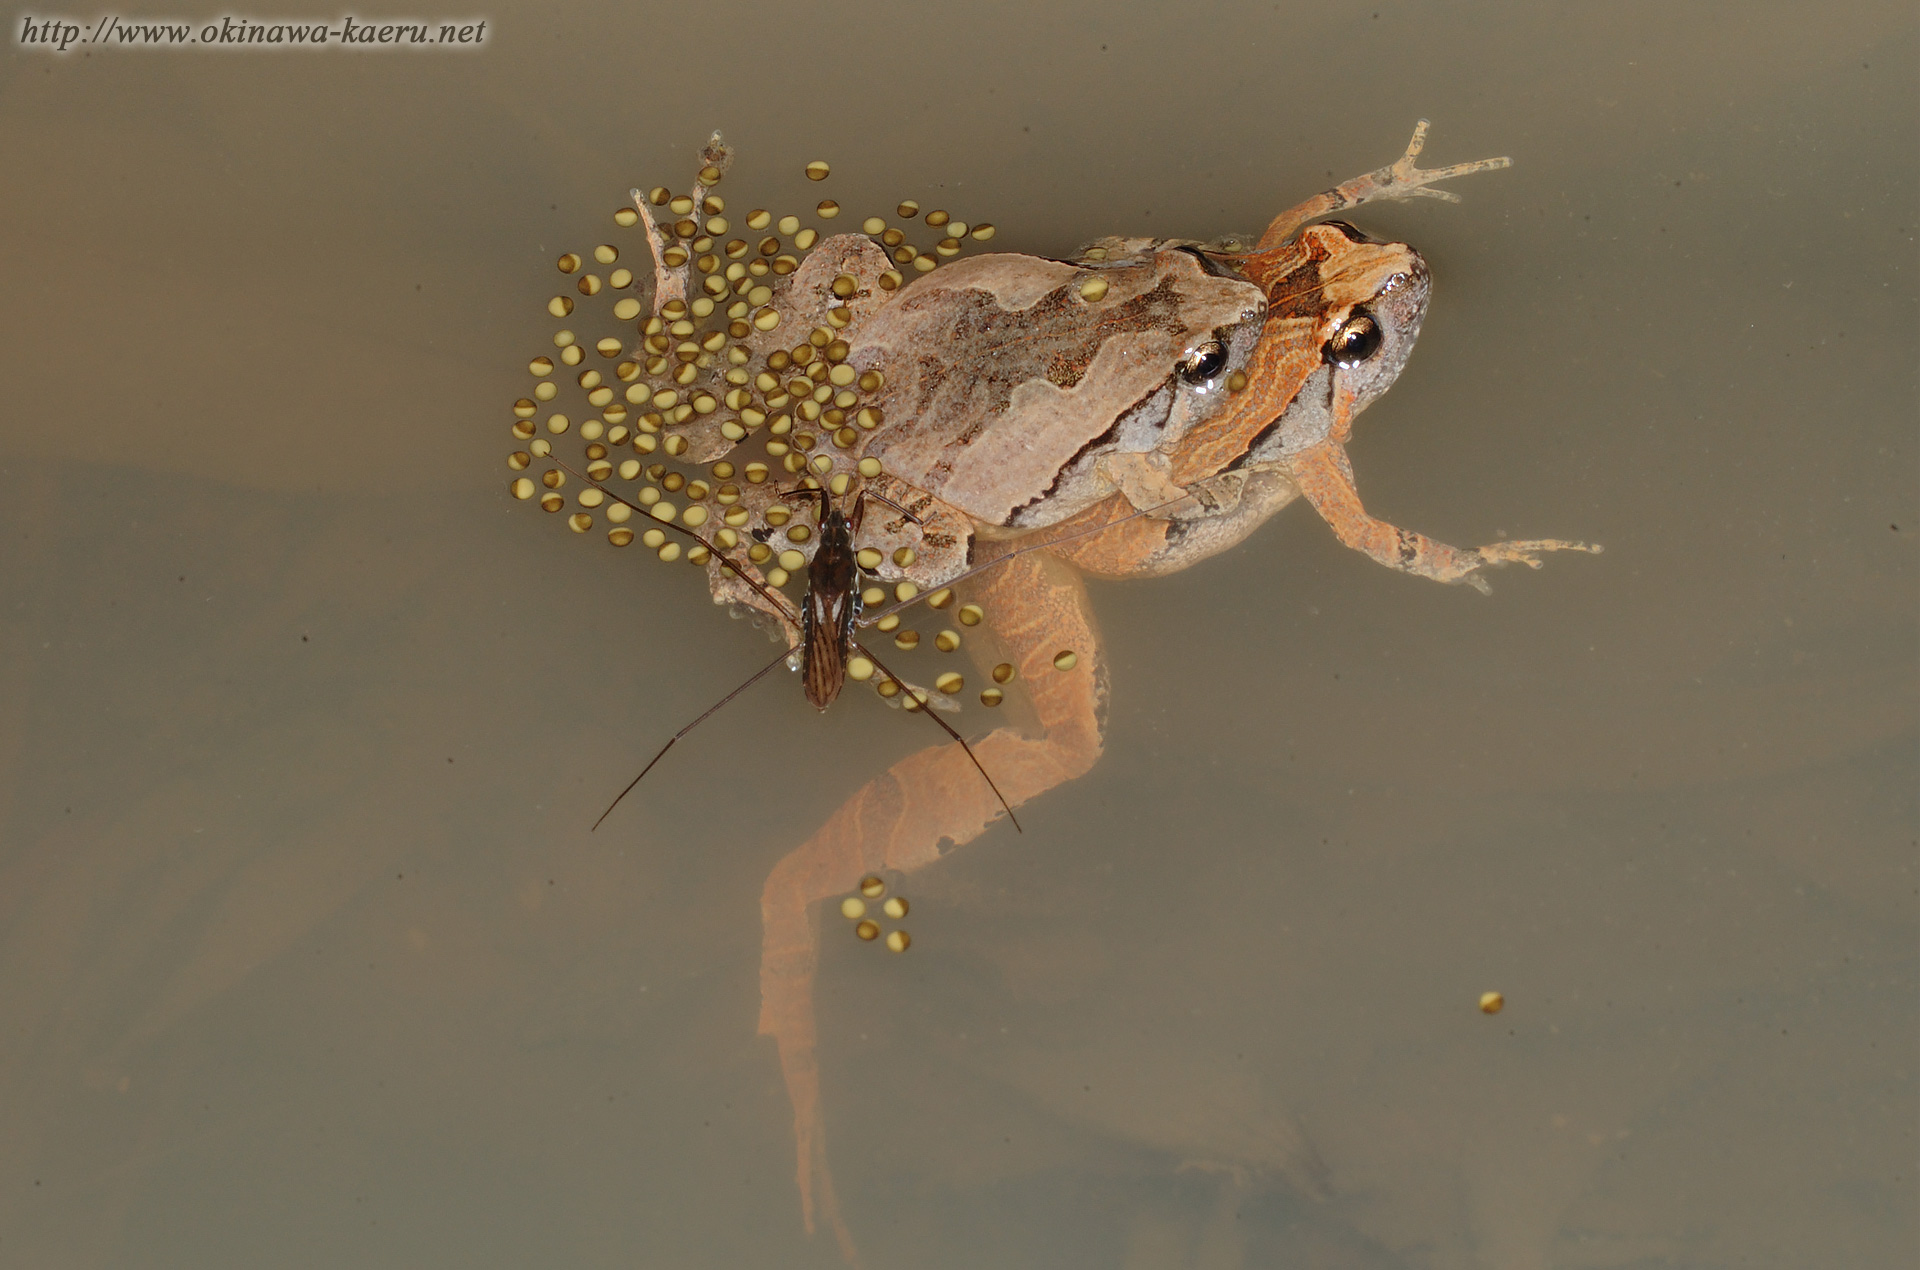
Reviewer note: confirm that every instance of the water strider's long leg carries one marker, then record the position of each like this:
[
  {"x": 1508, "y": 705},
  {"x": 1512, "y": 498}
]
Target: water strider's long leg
[{"x": 899, "y": 820}]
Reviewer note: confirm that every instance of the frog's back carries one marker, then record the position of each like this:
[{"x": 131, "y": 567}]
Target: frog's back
[{"x": 1003, "y": 371}]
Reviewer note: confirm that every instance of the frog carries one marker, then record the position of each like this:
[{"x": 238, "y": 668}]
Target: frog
[
  {"x": 1127, "y": 411},
  {"x": 1200, "y": 390}
]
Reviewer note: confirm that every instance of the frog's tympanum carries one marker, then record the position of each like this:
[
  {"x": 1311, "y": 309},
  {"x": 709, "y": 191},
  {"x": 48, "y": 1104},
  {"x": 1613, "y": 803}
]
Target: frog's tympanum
[{"x": 1127, "y": 411}]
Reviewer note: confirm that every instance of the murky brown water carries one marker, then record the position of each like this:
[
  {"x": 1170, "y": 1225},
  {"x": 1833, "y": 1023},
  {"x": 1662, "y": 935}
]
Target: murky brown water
[{"x": 306, "y": 956}]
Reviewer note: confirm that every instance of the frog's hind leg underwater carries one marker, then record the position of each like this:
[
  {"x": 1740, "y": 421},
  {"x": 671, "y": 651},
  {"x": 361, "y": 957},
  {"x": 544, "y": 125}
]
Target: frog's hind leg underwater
[{"x": 898, "y": 820}]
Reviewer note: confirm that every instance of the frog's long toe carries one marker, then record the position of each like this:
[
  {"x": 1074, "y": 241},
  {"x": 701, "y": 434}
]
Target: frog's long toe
[
  {"x": 1406, "y": 180},
  {"x": 1527, "y": 552}
]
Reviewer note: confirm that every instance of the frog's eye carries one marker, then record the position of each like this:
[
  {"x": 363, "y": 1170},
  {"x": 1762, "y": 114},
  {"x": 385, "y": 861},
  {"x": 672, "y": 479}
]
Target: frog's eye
[
  {"x": 1357, "y": 339},
  {"x": 1203, "y": 362}
]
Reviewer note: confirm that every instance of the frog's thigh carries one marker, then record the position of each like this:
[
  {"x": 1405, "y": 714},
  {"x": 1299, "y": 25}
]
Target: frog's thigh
[{"x": 898, "y": 820}]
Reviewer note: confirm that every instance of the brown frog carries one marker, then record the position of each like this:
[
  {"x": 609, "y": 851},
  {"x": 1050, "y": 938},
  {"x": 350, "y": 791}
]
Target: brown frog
[
  {"x": 1129, "y": 411},
  {"x": 1041, "y": 398}
]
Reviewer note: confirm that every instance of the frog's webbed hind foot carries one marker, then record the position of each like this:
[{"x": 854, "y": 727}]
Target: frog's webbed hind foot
[{"x": 1400, "y": 180}]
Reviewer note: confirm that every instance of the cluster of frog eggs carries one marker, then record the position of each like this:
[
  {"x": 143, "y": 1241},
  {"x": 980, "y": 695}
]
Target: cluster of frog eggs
[
  {"x": 854, "y": 909},
  {"x": 805, "y": 402}
]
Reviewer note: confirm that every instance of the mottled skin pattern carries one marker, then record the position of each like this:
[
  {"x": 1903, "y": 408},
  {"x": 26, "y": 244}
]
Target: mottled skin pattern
[
  {"x": 1232, "y": 458},
  {"x": 1001, "y": 373}
]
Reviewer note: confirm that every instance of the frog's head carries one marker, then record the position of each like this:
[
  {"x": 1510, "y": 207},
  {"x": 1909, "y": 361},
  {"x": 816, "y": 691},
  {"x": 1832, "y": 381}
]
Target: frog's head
[
  {"x": 1354, "y": 298},
  {"x": 1366, "y": 298},
  {"x": 1343, "y": 311}
]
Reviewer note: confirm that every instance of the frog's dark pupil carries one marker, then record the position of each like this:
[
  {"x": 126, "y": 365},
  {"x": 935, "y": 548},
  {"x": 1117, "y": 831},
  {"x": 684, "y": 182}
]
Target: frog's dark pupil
[
  {"x": 1356, "y": 340},
  {"x": 1204, "y": 363}
]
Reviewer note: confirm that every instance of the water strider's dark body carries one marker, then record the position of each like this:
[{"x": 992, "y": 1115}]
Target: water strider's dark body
[
  {"x": 831, "y": 607},
  {"x": 828, "y": 614}
]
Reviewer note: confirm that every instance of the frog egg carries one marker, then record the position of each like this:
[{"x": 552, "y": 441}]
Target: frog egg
[
  {"x": 868, "y": 930},
  {"x": 872, "y": 886},
  {"x": 1065, "y": 659},
  {"x": 853, "y": 908},
  {"x": 895, "y": 907},
  {"x": 899, "y": 941},
  {"x": 1492, "y": 1003},
  {"x": 818, "y": 170}
]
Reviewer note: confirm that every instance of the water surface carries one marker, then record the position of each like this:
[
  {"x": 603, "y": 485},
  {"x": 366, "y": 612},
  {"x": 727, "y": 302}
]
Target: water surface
[{"x": 307, "y": 956}]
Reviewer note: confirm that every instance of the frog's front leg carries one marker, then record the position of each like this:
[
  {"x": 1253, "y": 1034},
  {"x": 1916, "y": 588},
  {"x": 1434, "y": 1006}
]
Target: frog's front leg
[
  {"x": 1325, "y": 476},
  {"x": 1399, "y": 180},
  {"x": 1037, "y": 607}
]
